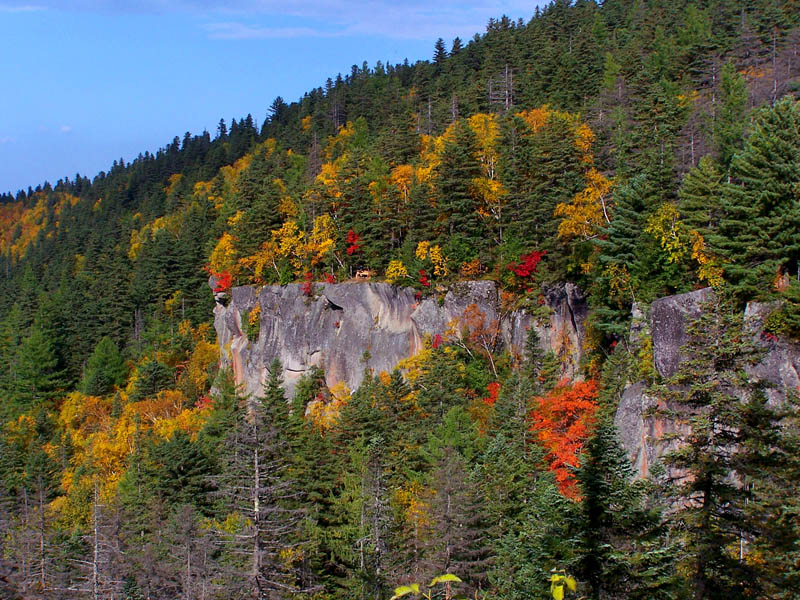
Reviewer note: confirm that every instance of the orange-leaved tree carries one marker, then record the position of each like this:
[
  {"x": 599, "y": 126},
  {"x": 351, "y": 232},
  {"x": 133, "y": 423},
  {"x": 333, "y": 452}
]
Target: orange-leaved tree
[{"x": 562, "y": 421}]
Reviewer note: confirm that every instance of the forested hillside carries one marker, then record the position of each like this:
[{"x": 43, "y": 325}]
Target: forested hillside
[{"x": 637, "y": 149}]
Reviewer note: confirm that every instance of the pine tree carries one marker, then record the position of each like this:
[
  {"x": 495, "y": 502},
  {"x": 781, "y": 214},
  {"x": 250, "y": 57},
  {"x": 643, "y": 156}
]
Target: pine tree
[
  {"x": 700, "y": 197},
  {"x": 759, "y": 235},
  {"x": 256, "y": 484},
  {"x": 730, "y": 120},
  {"x": 38, "y": 380},
  {"x": 104, "y": 370},
  {"x": 706, "y": 397},
  {"x": 624, "y": 549},
  {"x": 456, "y": 172},
  {"x": 616, "y": 287},
  {"x": 439, "y": 52}
]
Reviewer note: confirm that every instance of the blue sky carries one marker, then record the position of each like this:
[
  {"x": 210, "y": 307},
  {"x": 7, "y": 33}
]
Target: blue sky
[{"x": 85, "y": 82}]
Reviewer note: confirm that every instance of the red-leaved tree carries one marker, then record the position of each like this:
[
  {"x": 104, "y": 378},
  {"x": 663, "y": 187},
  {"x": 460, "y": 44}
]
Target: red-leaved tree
[
  {"x": 353, "y": 247},
  {"x": 525, "y": 269},
  {"x": 562, "y": 421}
]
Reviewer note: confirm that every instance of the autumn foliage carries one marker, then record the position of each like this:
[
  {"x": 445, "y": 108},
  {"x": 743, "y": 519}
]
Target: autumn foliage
[
  {"x": 493, "y": 390},
  {"x": 562, "y": 421},
  {"x": 353, "y": 247},
  {"x": 224, "y": 282},
  {"x": 527, "y": 265}
]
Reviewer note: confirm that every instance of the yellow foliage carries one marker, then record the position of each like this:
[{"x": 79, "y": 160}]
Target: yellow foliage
[
  {"x": 536, "y": 118},
  {"x": 223, "y": 257},
  {"x": 189, "y": 421},
  {"x": 254, "y": 318},
  {"x": 235, "y": 218},
  {"x": 305, "y": 123},
  {"x": 19, "y": 226},
  {"x": 170, "y": 223},
  {"x": 257, "y": 263},
  {"x": 286, "y": 205},
  {"x": 619, "y": 283},
  {"x": 395, "y": 271},
  {"x": 439, "y": 261},
  {"x": 430, "y": 157},
  {"x": 402, "y": 177},
  {"x": 491, "y": 195},
  {"x": 338, "y": 142},
  {"x": 324, "y": 415},
  {"x": 586, "y": 213},
  {"x": 666, "y": 227},
  {"x": 434, "y": 253},
  {"x": 470, "y": 269},
  {"x": 413, "y": 366},
  {"x": 584, "y": 138},
  {"x": 173, "y": 302},
  {"x": 174, "y": 182},
  {"x": 321, "y": 241},
  {"x": 487, "y": 133},
  {"x": 414, "y": 499},
  {"x": 204, "y": 356},
  {"x": 710, "y": 269}
]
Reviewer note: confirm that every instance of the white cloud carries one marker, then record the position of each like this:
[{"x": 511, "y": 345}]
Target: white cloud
[
  {"x": 240, "y": 31},
  {"x": 21, "y": 8},
  {"x": 65, "y": 128},
  {"x": 256, "y": 19}
]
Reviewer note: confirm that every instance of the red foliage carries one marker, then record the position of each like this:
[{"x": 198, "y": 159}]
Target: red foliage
[
  {"x": 308, "y": 286},
  {"x": 494, "y": 391},
  {"x": 528, "y": 264},
  {"x": 423, "y": 278},
  {"x": 437, "y": 341},
  {"x": 562, "y": 420},
  {"x": 330, "y": 278},
  {"x": 224, "y": 281},
  {"x": 352, "y": 242},
  {"x": 418, "y": 296},
  {"x": 204, "y": 402}
]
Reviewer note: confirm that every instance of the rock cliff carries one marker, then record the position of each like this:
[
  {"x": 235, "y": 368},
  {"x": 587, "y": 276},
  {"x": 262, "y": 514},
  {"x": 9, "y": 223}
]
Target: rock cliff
[
  {"x": 346, "y": 327},
  {"x": 667, "y": 323}
]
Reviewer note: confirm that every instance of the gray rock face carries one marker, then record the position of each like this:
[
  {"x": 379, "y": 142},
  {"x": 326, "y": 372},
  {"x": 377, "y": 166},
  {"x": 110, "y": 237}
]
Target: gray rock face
[
  {"x": 344, "y": 328},
  {"x": 641, "y": 432},
  {"x": 668, "y": 320}
]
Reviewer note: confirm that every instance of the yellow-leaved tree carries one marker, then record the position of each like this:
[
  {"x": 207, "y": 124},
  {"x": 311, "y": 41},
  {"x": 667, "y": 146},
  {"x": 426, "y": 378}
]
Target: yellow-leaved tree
[{"x": 588, "y": 211}]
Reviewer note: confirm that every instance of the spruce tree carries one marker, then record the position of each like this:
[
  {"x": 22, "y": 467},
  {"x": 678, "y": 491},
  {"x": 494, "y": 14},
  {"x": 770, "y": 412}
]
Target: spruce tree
[
  {"x": 709, "y": 396},
  {"x": 759, "y": 234},
  {"x": 456, "y": 197},
  {"x": 625, "y": 552},
  {"x": 700, "y": 197},
  {"x": 256, "y": 484},
  {"x": 104, "y": 370}
]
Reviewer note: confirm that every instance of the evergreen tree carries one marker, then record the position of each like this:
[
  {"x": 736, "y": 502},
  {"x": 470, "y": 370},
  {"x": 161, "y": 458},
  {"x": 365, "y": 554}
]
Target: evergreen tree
[
  {"x": 255, "y": 483},
  {"x": 439, "y": 52},
  {"x": 625, "y": 552},
  {"x": 700, "y": 197},
  {"x": 758, "y": 235},
  {"x": 730, "y": 120},
  {"x": 38, "y": 380},
  {"x": 456, "y": 172},
  {"x": 104, "y": 370},
  {"x": 706, "y": 394}
]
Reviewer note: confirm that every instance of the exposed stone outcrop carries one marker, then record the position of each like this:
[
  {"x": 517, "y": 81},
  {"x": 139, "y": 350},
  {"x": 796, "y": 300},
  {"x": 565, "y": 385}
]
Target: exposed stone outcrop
[
  {"x": 640, "y": 432},
  {"x": 339, "y": 323}
]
